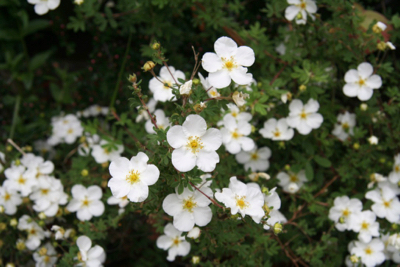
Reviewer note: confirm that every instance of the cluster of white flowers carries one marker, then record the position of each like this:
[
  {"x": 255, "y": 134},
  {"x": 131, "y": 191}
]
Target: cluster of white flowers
[
  {"x": 373, "y": 246},
  {"x": 66, "y": 129},
  {"x": 93, "y": 111}
]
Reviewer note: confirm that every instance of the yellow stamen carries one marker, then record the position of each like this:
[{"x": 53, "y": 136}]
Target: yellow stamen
[
  {"x": 254, "y": 156},
  {"x": 368, "y": 251},
  {"x": 361, "y": 82},
  {"x": 45, "y": 191},
  {"x": 345, "y": 126},
  {"x": 70, "y": 131},
  {"x": 386, "y": 204},
  {"x": 194, "y": 143},
  {"x": 85, "y": 202},
  {"x": 346, "y": 213},
  {"x": 21, "y": 180},
  {"x": 167, "y": 85},
  {"x": 364, "y": 225},
  {"x": 241, "y": 202},
  {"x": 293, "y": 178},
  {"x": 7, "y": 196},
  {"x": 277, "y": 133},
  {"x": 176, "y": 241},
  {"x": 303, "y": 115},
  {"x": 189, "y": 204},
  {"x": 132, "y": 177}
]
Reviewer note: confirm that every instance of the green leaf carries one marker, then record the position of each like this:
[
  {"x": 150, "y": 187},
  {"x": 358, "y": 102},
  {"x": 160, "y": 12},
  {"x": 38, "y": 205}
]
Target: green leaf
[
  {"x": 309, "y": 171},
  {"x": 35, "y": 25},
  {"x": 39, "y": 59},
  {"x": 322, "y": 161},
  {"x": 9, "y": 35},
  {"x": 180, "y": 188}
]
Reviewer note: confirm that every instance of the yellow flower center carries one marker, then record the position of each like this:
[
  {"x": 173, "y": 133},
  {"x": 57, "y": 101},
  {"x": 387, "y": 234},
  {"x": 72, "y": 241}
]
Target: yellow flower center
[
  {"x": 241, "y": 202},
  {"x": 254, "y": 156},
  {"x": 70, "y": 131},
  {"x": 132, "y": 177},
  {"x": 364, "y": 225},
  {"x": 236, "y": 135},
  {"x": 293, "y": 178},
  {"x": 277, "y": 133},
  {"x": 386, "y": 204},
  {"x": 167, "y": 85},
  {"x": 345, "y": 126},
  {"x": 368, "y": 251},
  {"x": 229, "y": 64},
  {"x": 397, "y": 168},
  {"x": 361, "y": 82},
  {"x": 303, "y": 115},
  {"x": 303, "y": 5},
  {"x": 45, "y": 191},
  {"x": 21, "y": 180},
  {"x": 213, "y": 93},
  {"x": 42, "y": 251},
  {"x": 194, "y": 143},
  {"x": 32, "y": 231},
  {"x": 7, "y": 196},
  {"x": 176, "y": 241},
  {"x": 107, "y": 151},
  {"x": 346, "y": 213},
  {"x": 234, "y": 114},
  {"x": 189, "y": 204},
  {"x": 85, "y": 202},
  {"x": 46, "y": 259}
]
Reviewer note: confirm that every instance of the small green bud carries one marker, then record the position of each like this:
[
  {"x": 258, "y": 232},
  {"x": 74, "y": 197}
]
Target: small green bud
[
  {"x": 302, "y": 87},
  {"x": 278, "y": 228},
  {"x": 84, "y": 172},
  {"x": 287, "y": 167},
  {"x": 149, "y": 65},
  {"x": 354, "y": 259},
  {"x": 132, "y": 78},
  {"x": 356, "y": 146},
  {"x": 196, "y": 81},
  {"x": 195, "y": 259},
  {"x": 156, "y": 46}
]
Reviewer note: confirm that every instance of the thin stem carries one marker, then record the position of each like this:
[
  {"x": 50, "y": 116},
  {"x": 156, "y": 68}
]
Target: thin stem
[
  {"x": 15, "y": 115},
  {"x": 114, "y": 96},
  {"x": 16, "y": 146},
  {"x": 212, "y": 200},
  {"x": 166, "y": 65}
]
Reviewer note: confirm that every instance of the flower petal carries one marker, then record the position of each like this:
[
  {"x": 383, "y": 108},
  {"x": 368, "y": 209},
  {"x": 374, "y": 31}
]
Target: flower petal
[
  {"x": 78, "y": 191},
  {"x": 245, "y": 56},
  {"x": 175, "y": 136},
  {"x": 219, "y": 79},
  {"x": 206, "y": 160},
  {"x": 314, "y": 120},
  {"x": 211, "y": 62},
  {"x": 53, "y": 4},
  {"x": 84, "y": 243},
  {"x": 365, "y": 70},
  {"x": 311, "y": 106},
  {"x": 295, "y": 107},
  {"x": 351, "y": 76},
  {"x": 94, "y": 192},
  {"x": 291, "y": 12},
  {"x": 350, "y": 89},
  {"x": 184, "y": 221},
  {"x": 164, "y": 242},
  {"x": 374, "y": 82},
  {"x": 139, "y": 192},
  {"x": 194, "y": 125},
  {"x": 202, "y": 215},
  {"x": 150, "y": 175},
  {"x": 212, "y": 139},
  {"x": 96, "y": 208},
  {"x": 119, "y": 187},
  {"x": 172, "y": 205},
  {"x": 225, "y": 47},
  {"x": 240, "y": 76},
  {"x": 365, "y": 93},
  {"x": 41, "y": 8}
]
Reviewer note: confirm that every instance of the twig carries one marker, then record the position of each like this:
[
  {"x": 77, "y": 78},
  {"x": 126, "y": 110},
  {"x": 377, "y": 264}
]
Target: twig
[
  {"x": 166, "y": 65},
  {"x": 16, "y": 146},
  {"x": 212, "y": 200},
  {"x": 196, "y": 64},
  {"x": 72, "y": 152}
]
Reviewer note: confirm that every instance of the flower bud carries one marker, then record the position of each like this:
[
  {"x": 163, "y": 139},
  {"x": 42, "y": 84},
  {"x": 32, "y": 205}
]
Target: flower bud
[
  {"x": 104, "y": 164},
  {"x": 17, "y": 162},
  {"x": 390, "y": 45},
  {"x": 265, "y": 190},
  {"x": 3, "y": 227},
  {"x": 373, "y": 140},
  {"x": 379, "y": 27},
  {"x": 132, "y": 78},
  {"x": 363, "y": 107},
  {"x": 1, "y": 245},
  {"x": 84, "y": 172},
  {"x": 354, "y": 259},
  {"x": 1, "y": 209},
  {"x": 78, "y": 2},
  {"x": 356, "y": 146},
  {"x": 194, "y": 233},
  {"x": 381, "y": 46},
  {"x": 278, "y": 228},
  {"x": 341, "y": 219},
  {"x": 302, "y": 88},
  {"x": 186, "y": 88},
  {"x": 156, "y": 46},
  {"x": 13, "y": 222},
  {"x": 196, "y": 81},
  {"x": 195, "y": 259},
  {"x": 20, "y": 244},
  {"x": 10, "y": 264},
  {"x": 239, "y": 98},
  {"x": 42, "y": 216},
  {"x": 9, "y": 148},
  {"x": 149, "y": 65},
  {"x": 287, "y": 167}
]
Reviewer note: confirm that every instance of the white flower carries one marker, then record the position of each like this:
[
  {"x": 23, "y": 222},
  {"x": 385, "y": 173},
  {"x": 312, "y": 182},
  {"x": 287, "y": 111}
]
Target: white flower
[
  {"x": 394, "y": 240},
  {"x": 299, "y": 9},
  {"x": 103, "y": 153},
  {"x": 237, "y": 114},
  {"x": 162, "y": 122},
  {"x": 2, "y": 161},
  {"x": 373, "y": 140},
  {"x": 19, "y": 179},
  {"x": 371, "y": 253},
  {"x": 121, "y": 202},
  {"x": 9, "y": 199},
  {"x": 43, "y": 6},
  {"x": 255, "y": 159},
  {"x": 88, "y": 143},
  {"x": 89, "y": 256},
  {"x": 229, "y": 62},
  {"x": 234, "y": 135},
  {"x": 386, "y": 204},
  {"x": 65, "y": 129},
  {"x": 382, "y": 26},
  {"x": 34, "y": 231},
  {"x": 361, "y": 82},
  {"x": 365, "y": 224},
  {"x": 291, "y": 182},
  {"x": 194, "y": 145},
  {"x": 211, "y": 91},
  {"x": 132, "y": 178},
  {"x": 163, "y": 90},
  {"x": 343, "y": 209},
  {"x": 272, "y": 204},
  {"x": 189, "y": 208},
  {"x": 345, "y": 125},
  {"x": 243, "y": 199},
  {"x": 186, "y": 88},
  {"x": 45, "y": 256},
  {"x": 86, "y": 202},
  {"x": 60, "y": 233},
  {"x": 394, "y": 176},
  {"x": 376, "y": 178},
  {"x": 281, "y": 49},
  {"x": 174, "y": 242},
  {"x": 277, "y": 130},
  {"x": 49, "y": 193},
  {"x": 304, "y": 117}
]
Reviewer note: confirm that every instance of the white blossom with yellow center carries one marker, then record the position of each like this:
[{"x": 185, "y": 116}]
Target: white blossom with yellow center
[
  {"x": 255, "y": 159},
  {"x": 194, "y": 145},
  {"x": 86, "y": 202},
  {"x": 371, "y": 252},
  {"x": 228, "y": 63},
  {"x": 277, "y": 130},
  {"x": 386, "y": 204},
  {"x": 174, "y": 242},
  {"x": 235, "y": 135},
  {"x": 162, "y": 122},
  {"x": 394, "y": 176},
  {"x": 304, "y": 117},
  {"x": 162, "y": 85},
  {"x": 243, "y": 199},
  {"x": 9, "y": 200},
  {"x": 342, "y": 211},
  {"x": 291, "y": 182},
  {"x": 189, "y": 208},
  {"x": 132, "y": 178},
  {"x": 344, "y": 126},
  {"x": 365, "y": 224},
  {"x": 88, "y": 255},
  {"x": 361, "y": 82},
  {"x": 299, "y": 9},
  {"x": 43, "y": 6},
  {"x": 102, "y": 152}
]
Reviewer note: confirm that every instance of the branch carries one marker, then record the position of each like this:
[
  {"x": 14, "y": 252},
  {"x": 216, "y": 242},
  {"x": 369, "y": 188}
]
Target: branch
[{"x": 212, "y": 200}]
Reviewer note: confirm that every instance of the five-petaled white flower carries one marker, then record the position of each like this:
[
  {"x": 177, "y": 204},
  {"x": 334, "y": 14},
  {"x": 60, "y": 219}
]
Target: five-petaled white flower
[
  {"x": 174, "y": 242},
  {"x": 299, "y": 9},
  {"x": 229, "y": 62},
  {"x": 344, "y": 126},
  {"x": 88, "y": 255},
  {"x": 255, "y": 159},
  {"x": 189, "y": 208},
  {"x": 365, "y": 225},
  {"x": 371, "y": 253},
  {"x": 234, "y": 135},
  {"x": 304, "y": 117},
  {"x": 343, "y": 209},
  {"x": 132, "y": 178},
  {"x": 86, "y": 202},
  {"x": 243, "y": 199},
  {"x": 162, "y": 86},
  {"x": 277, "y": 130},
  {"x": 194, "y": 145},
  {"x": 162, "y": 122},
  {"x": 360, "y": 83},
  {"x": 291, "y": 182}
]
